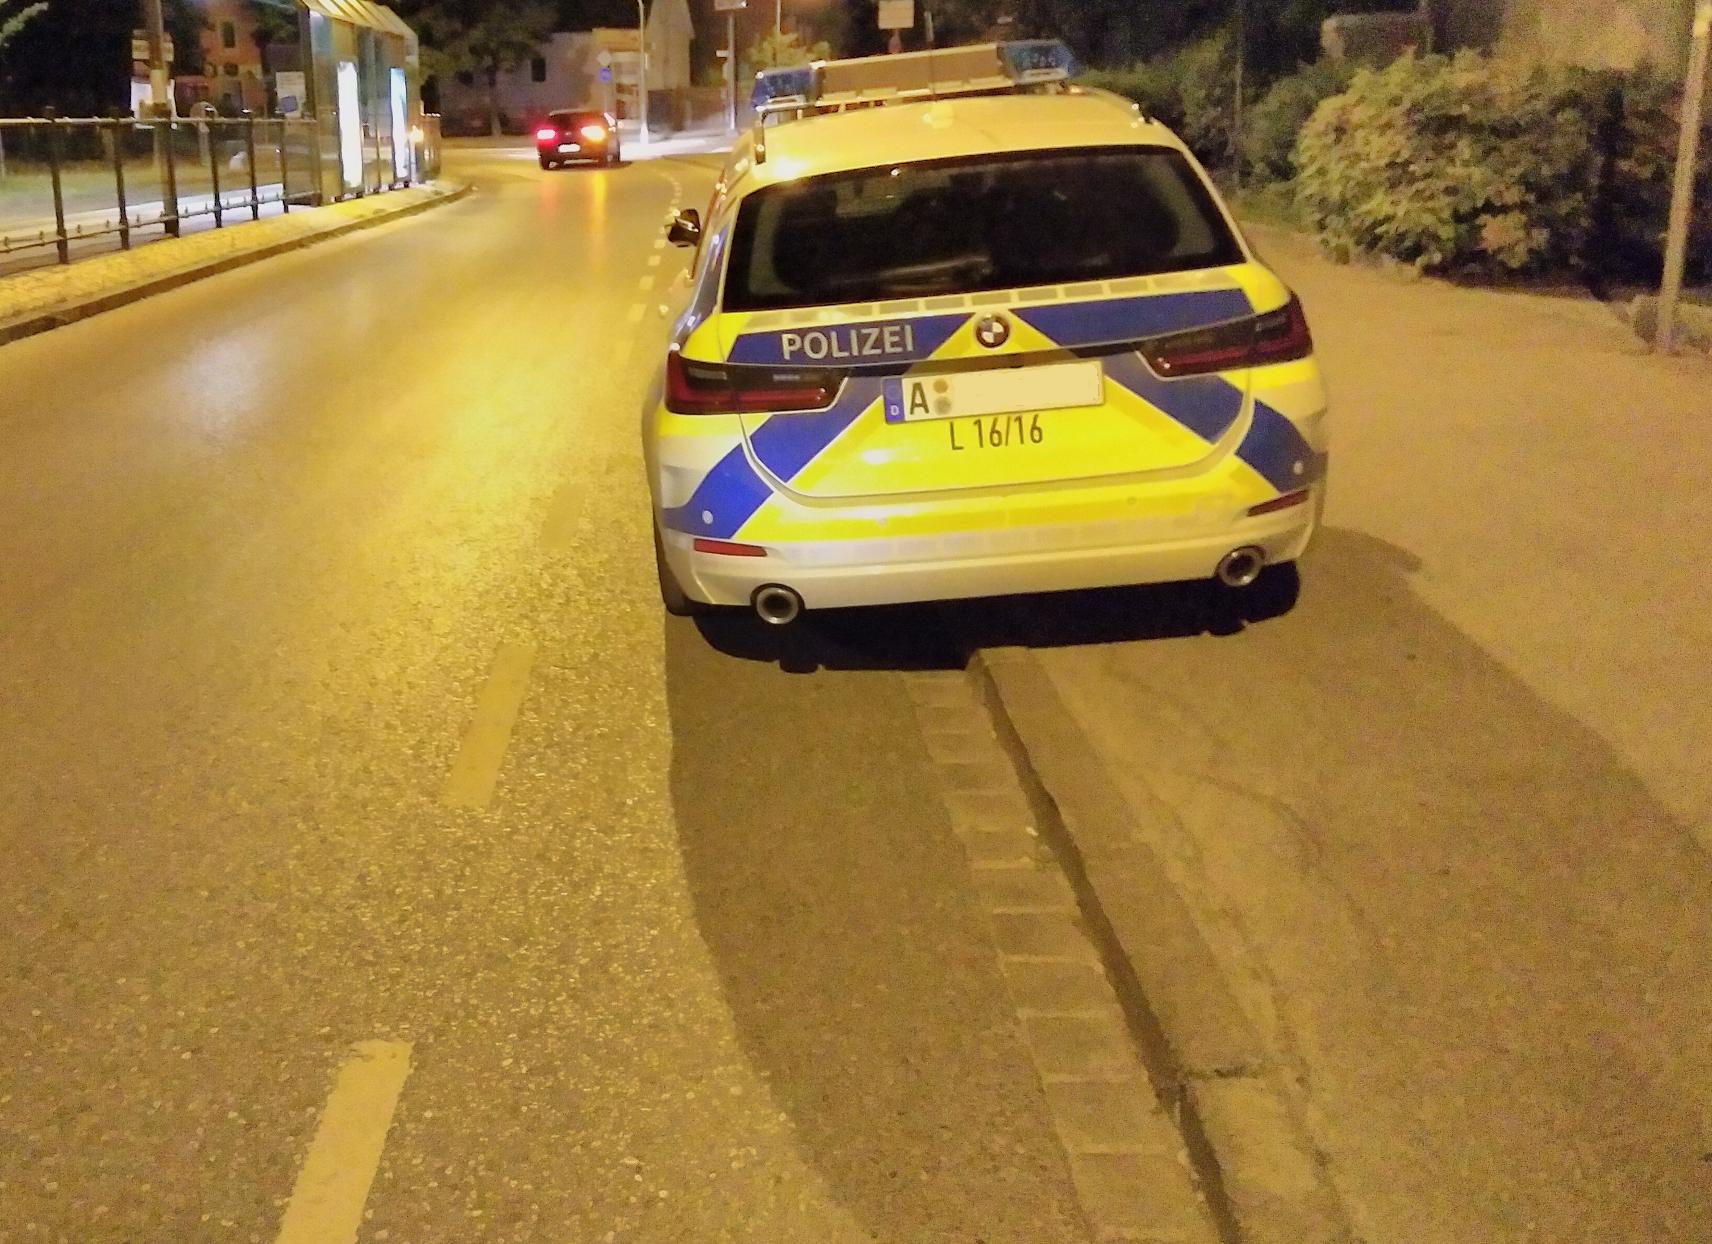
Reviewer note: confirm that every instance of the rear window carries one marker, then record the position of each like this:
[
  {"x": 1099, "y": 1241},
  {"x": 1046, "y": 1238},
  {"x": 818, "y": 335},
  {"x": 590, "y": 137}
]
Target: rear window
[
  {"x": 565, "y": 120},
  {"x": 961, "y": 226}
]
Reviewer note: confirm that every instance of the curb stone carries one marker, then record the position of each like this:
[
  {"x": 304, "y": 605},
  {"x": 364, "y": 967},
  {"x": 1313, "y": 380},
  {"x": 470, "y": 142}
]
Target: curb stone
[
  {"x": 1125, "y": 1158},
  {"x": 61, "y": 314},
  {"x": 1264, "y": 1178}
]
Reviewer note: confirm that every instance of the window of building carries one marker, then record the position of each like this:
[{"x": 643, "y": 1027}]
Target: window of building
[
  {"x": 231, "y": 71},
  {"x": 228, "y": 35},
  {"x": 466, "y": 78},
  {"x": 538, "y": 69}
]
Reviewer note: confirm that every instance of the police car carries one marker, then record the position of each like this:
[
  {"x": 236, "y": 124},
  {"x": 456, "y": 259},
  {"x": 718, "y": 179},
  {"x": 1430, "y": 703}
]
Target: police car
[{"x": 958, "y": 327}]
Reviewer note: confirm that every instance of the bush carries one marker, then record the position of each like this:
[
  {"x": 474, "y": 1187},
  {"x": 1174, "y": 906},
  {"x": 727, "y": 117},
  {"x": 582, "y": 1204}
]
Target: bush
[
  {"x": 1152, "y": 84},
  {"x": 1192, "y": 90},
  {"x": 1643, "y": 120},
  {"x": 1271, "y": 127},
  {"x": 1451, "y": 164}
]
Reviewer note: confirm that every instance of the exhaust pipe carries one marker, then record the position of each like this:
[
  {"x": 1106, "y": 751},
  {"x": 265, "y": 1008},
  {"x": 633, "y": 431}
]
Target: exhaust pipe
[
  {"x": 776, "y": 604},
  {"x": 1240, "y": 567}
]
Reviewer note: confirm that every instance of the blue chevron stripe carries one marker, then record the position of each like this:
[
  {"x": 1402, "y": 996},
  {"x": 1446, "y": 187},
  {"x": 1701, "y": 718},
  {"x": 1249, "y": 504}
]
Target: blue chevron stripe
[{"x": 1115, "y": 321}]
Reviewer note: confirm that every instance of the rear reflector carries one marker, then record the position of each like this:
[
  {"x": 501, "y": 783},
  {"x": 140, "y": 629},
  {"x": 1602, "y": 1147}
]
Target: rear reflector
[
  {"x": 1279, "y": 503},
  {"x": 1275, "y": 337},
  {"x": 694, "y": 388},
  {"x": 728, "y": 548}
]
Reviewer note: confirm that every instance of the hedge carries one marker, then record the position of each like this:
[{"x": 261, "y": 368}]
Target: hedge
[
  {"x": 1272, "y": 125},
  {"x": 1192, "y": 90},
  {"x": 1470, "y": 164}
]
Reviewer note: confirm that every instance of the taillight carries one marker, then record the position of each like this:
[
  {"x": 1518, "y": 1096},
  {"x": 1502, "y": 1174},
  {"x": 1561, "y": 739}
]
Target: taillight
[
  {"x": 694, "y": 388},
  {"x": 594, "y": 133},
  {"x": 546, "y": 134},
  {"x": 1275, "y": 337}
]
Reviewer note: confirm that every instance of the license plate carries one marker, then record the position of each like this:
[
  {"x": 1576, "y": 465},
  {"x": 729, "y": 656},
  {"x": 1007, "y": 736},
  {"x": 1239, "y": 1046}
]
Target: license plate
[
  {"x": 564, "y": 147},
  {"x": 995, "y": 432},
  {"x": 994, "y": 391}
]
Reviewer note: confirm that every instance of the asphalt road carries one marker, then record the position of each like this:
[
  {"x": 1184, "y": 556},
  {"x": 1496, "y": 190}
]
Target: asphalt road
[{"x": 686, "y": 953}]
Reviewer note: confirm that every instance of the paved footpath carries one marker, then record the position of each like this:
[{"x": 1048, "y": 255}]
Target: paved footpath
[
  {"x": 40, "y": 298},
  {"x": 1444, "y": 827}
]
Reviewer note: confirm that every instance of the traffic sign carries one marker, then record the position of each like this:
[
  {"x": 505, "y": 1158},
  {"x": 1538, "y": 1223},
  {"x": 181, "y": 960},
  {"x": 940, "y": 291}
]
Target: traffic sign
[
  {"x": 728, "y": 6},
  {"x": 897, "y": 14},
  {"x": 606, "y": 73},
  {"x": 140, "y": 47},
  {"x": 603, "y": 58}
]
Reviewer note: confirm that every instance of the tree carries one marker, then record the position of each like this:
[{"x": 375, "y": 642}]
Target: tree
[
  {"x": 275, "y": 24},
  {"x": 772, "y": 51},
  {"x": 12, "y": 23},
  {"x": 484, "y": 37}
]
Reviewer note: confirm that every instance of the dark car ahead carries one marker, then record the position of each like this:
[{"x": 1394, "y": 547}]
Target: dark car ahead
[{"x": 580, "y": 134}]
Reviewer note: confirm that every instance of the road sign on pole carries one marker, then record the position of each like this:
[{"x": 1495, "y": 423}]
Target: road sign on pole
[
  {"x": 1682, "y": 196},
  {"x": 897, "y": 14}
]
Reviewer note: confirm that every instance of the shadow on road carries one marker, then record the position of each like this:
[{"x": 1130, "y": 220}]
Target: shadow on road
[
  {"x": 834, "y": 902},
  {"x": 1482, "y": 936},
  {"x": 946, "y": 635}
]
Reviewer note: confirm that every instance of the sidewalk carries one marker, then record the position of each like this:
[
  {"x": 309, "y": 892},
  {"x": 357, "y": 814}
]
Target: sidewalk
[
  {"x": 41, "y": 298},
  {"x": 1438, "y": 837}
]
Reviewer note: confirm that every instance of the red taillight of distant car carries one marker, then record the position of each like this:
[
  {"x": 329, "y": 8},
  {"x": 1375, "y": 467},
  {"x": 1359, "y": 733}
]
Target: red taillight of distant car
[
  {"x": 594, "y": 133},
  {"x": 546, "y": 134}
]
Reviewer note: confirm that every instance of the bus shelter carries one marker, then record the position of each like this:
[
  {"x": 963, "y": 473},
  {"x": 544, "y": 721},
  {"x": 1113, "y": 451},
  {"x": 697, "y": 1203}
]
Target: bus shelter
[{"x": 363, "y": 89}]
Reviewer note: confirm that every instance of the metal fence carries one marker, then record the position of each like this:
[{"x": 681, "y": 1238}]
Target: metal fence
[{"x": 83, "y": 181}]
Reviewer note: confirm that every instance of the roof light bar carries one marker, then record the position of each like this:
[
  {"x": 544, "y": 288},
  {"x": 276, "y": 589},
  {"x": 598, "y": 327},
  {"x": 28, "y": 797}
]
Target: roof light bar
[{"x": 929, "y": 74}]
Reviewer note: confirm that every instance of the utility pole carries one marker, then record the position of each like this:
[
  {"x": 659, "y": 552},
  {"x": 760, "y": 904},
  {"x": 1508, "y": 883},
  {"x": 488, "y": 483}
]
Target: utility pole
[
  {"x": 158, "y": 83},
  {"x": 642, "y": 65},
  {"x": 1236, "y": 107},
  {"x": 1682, "y": 196}
]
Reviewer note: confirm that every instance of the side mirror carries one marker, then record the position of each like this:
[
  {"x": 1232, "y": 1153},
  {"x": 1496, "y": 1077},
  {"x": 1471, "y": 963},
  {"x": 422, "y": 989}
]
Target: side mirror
[{"x": 686, "y": 228}]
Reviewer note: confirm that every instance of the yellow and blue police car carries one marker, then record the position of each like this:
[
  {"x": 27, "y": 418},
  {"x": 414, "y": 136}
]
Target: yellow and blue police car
[{"x": 958, "y": 327}]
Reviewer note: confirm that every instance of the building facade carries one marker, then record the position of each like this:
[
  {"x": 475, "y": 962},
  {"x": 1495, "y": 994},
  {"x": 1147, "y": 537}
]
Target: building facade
[
  {"x": 566, "y": 72},
  {"x": 232, "y": 73},
  {"x": 1618, "y": 34}
]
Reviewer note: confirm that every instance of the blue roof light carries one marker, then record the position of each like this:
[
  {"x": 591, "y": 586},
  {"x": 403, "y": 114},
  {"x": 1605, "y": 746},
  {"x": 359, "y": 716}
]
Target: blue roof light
[
  {"x": 1038, "y": 60},
  {"x": 775, "y": 86}
]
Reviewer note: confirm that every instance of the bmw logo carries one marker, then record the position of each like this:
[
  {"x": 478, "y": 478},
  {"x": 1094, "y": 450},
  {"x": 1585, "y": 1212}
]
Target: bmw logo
[{"x": 992, "y": 331}]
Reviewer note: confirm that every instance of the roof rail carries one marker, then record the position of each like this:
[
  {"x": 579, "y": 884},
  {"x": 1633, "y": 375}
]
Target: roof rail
[{"x": 931, "y": 74}]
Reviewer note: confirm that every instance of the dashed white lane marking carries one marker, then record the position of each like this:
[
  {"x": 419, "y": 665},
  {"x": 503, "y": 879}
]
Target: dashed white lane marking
[
  {"x": 654, "y": 260},
  {"x": 647, "y": 282},
  {"x": 659, "y": 244},
  {"x": 326, "y": 1205},
  {"x": 475, "y": 769},
  {"x": 634, "y": 316}
]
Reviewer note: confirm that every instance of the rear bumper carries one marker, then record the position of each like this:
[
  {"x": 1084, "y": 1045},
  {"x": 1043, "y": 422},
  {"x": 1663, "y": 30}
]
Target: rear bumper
[
  {"x": 1044, "y": 559},
  {"x": 585, "y": 151}
]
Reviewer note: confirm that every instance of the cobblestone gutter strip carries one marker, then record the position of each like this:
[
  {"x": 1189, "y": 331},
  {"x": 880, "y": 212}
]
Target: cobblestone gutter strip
[
  {"x": 40, "y": 299},
  {"x": 1263, "y": 1177},
  {"x": 1132, "y": 1177}
]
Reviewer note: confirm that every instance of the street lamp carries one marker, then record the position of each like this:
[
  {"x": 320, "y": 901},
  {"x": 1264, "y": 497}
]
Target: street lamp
[{"x": 642, "y": 64}]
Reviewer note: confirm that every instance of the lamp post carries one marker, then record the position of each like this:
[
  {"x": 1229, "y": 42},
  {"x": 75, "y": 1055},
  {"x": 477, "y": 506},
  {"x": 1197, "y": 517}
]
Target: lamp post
[
  {"x": 1682, "y": 196},
  {"x": 158, "y": 82},
  {"x": 642, "y": 64}
]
